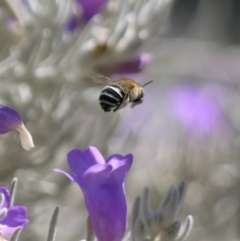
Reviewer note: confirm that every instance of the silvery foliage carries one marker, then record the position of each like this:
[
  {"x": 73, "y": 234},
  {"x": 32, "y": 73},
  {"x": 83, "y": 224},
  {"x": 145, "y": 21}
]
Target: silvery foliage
[
  {"x": 147, "y": 225},
  {"x": 52, "y": 226},
  {"x": 48, "y": 50},
  {"x": 162, "y": 224},
  {"x": 43, "y": 73},
  {"x": 3, "y": 212}
]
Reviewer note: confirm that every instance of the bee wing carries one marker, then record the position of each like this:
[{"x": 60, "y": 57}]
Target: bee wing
[{"x": 98, "y": 79}]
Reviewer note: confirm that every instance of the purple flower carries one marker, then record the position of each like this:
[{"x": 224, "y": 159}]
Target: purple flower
[
  {"x": 16, "y": 216},
  {"x": 102, "y": 184},
  {"x": 91, "y": 7},
  {"x": 197, "y": 109},
  {"x": 131, "y": 66},
  {"x": 84, "y": 11},
  {"x": 72, "y": 24},
  {"x": 10, "y": 120}
]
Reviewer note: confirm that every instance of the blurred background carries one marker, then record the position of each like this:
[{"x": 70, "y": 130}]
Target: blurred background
[{"x": 188, "y": 126}]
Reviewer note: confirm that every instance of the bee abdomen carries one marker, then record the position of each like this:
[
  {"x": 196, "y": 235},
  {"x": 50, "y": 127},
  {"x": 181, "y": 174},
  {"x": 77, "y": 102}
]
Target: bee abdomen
[{"x": 111, "y": 97}]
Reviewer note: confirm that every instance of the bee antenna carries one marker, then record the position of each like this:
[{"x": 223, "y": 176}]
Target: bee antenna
[{"x": 149, "y": 82}]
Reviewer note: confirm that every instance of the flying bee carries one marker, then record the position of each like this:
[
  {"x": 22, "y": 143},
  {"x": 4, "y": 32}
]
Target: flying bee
[{"x": 117, "y": 94}]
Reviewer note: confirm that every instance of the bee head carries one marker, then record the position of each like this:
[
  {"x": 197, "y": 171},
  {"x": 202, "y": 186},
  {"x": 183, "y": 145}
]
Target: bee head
[{"x": 141, "y": 92}]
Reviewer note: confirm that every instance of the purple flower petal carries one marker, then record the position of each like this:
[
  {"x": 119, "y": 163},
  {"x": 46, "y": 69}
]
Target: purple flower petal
[
  {"x": 91, "y": 7},
  {"x": 6, "y": 195},
  {"x": 16, "y": 216},
  {"x": 197, "y": 110},
  {"x": 114, "y": 160},
  {"x": 131, "y": 66},
  {"x": 79, "y": 161},
  {"x": 9, "y": 119},
  {"x": 72, "y": 24},
  {"x": 98, "y": 173},
  {"x": 102, "y": 185},
  {"x": 120, "y": 169},
  {"x": 118, "y": 160},
  {"x": 106, "y": 203}
]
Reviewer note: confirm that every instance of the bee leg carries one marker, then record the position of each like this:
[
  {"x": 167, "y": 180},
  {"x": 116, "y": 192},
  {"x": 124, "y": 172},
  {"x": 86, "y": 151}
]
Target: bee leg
[
  {"x": 136, "y": 103},
  {"x": 122, "y": 104},
  {"x": 115, "y": 109},
  {"x": 118, "y": 107}
]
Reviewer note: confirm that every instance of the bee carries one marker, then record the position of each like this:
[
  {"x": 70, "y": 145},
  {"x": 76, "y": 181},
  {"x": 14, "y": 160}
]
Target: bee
[{"x": 117, "y": 94}]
